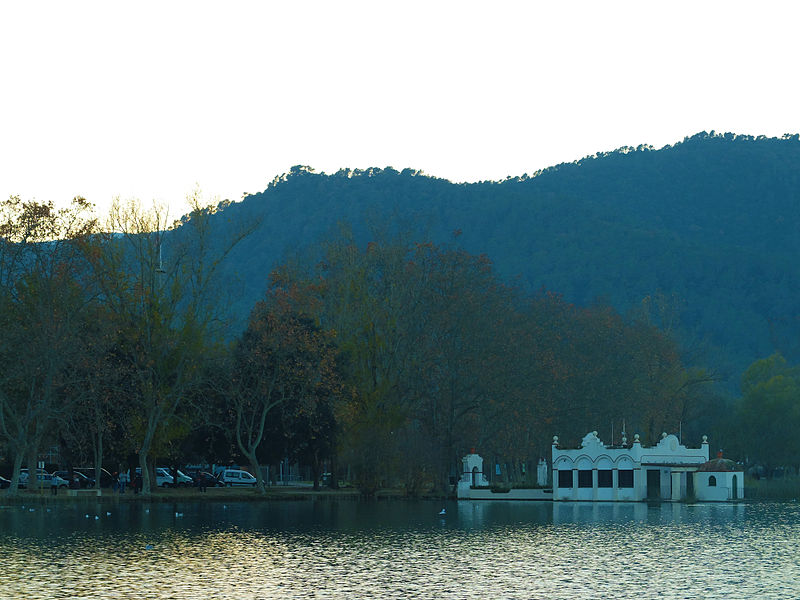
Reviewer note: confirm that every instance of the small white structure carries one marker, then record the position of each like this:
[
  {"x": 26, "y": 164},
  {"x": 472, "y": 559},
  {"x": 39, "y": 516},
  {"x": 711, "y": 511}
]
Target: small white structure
[
  {"x": 473, "y": 485},
  {"x": 541, "y": 473},
  {"x": 596, "y": 472},
  {"x": 720, "y": 480},
  {"x": 471, "y": 473}
]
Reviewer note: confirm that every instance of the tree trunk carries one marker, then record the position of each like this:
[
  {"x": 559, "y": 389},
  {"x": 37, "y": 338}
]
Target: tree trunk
[
  {"x": 254, "y": 466},
  {"x": 33, "y": 465},
  {"x": 334, "y": 479},
  {"x": 98, "y": 460},
  {"x": 13, "y": 489},
  {"x": 315, "y": 470},
  {"x": 146, "y": 490},
  {"x": 152, "y": 424}
]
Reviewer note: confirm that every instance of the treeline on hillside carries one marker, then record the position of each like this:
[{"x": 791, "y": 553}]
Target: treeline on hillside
[
  {"x": 385, "y": 361},
  {"x": 710, "y": 223}
]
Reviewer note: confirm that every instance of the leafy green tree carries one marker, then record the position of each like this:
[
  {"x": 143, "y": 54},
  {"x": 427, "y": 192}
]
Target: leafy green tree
[{"x": 768, "y": 414}]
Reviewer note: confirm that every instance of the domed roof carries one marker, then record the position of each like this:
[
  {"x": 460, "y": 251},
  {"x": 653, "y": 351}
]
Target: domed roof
[{"x": 719, "y": 465}]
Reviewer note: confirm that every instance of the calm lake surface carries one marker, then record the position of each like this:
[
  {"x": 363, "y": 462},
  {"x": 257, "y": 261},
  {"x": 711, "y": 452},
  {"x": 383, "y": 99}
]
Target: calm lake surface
[{"x": 400, "y": 549}]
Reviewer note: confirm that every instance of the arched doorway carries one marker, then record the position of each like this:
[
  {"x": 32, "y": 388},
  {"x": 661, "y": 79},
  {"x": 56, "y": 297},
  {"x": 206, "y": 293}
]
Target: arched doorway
[
  {"x": 474, "y": 476},
  {"x": 734, "y": 488}
]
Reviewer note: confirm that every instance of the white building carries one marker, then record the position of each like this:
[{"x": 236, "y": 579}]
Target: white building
[
  {"x": 719, "y": 479},
  {"x": 667, "y": 471},
  {"x": 473, "y": 484}
]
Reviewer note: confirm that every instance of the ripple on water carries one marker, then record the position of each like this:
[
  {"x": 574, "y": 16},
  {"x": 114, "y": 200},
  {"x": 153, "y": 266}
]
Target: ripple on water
[{"x": 509, "y": 551}]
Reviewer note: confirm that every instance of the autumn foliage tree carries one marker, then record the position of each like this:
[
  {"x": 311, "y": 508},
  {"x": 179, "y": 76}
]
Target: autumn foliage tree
[
  {"x": 441, "y": 356},
  {"x": 283, "y": 357}
]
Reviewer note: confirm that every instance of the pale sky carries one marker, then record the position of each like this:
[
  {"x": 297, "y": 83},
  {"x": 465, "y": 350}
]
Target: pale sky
[{"x": 151, "y": 99}]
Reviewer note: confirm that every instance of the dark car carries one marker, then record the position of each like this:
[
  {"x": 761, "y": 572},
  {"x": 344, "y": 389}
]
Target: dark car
[
  {"x": 84, "y": 481},
  {"x": 4, "y": 483},
  {"x": 106, "y": 479},
  {"x": 205, "y": 478}
]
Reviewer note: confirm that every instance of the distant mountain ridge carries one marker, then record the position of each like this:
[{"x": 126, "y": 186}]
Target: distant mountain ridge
[{"x": 711, "y": 223}]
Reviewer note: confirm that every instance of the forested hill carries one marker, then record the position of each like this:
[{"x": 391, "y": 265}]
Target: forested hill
[{"x": 712, "y": 224}]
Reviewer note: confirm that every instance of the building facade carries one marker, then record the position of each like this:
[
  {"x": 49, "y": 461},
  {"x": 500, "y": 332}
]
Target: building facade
[{"x": 596, "y": 472}]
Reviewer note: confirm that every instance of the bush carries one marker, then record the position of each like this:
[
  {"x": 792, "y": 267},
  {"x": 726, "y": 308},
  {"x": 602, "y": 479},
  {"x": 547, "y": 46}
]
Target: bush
[{"x": 785, "y": 488}]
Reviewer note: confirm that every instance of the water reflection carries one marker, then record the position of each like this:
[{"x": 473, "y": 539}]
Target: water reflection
[{"x": 400, "y": 549}]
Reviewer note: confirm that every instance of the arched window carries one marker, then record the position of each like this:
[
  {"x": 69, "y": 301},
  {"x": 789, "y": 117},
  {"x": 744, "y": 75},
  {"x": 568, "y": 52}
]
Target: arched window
[{"x": 712, "y": 481}]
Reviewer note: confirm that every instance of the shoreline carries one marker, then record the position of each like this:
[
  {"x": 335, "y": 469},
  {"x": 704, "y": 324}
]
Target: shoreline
[
  {"x": 780, "y": 490},
  {"x": 291, "y": 493}
]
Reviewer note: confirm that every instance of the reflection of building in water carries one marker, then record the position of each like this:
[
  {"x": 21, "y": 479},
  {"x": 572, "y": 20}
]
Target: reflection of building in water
[
  {"x": 667, "y": 471},
  {"x": 582, "y": 512},
  {"x": 472, "y": 514}
]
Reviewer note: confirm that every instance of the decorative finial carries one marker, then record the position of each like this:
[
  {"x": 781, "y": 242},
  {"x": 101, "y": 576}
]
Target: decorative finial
[
  {"x": 624, "y": 440},
  {"x": 635, "y": 438},
  {"x": 594, "y": 433},
  {"x": 555, "y": 440},
  {"x": 663, "y": 434},
  {"x": 705, "y": 439}
]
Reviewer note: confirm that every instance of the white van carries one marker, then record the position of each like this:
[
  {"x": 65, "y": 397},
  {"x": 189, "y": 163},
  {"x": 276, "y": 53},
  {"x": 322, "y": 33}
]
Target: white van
[
  {"x": 183, "y": 479},
  {"x": 44, "y": 478},
  {"x": 231, "y": 477},
  {"x": 163, "y": 478}
]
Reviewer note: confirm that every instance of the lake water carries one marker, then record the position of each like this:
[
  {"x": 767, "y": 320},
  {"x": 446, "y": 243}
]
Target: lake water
[{"x": 400, "y": 549}]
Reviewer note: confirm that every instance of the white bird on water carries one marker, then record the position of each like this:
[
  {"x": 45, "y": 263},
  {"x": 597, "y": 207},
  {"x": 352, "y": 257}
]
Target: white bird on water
[{"x": 443, "y": 512}]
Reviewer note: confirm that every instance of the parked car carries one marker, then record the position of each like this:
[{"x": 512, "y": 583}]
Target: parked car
[
  {"x": 23, "y": 477},
  {"x": 183, "y": 479},
  {"x": 232, "y": 477},
  {"x": 83, "y": 480},
  {"x": 106, "y": 478},
  {"x": 206, "y": 478},
  {"x": 44, "y": 479},
  {"x": 4, "y": 483},
  {"x": 163, "y": 478}
]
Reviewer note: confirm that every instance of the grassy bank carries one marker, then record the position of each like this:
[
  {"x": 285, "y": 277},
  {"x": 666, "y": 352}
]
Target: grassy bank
[{"x": 180, "y": 495}]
